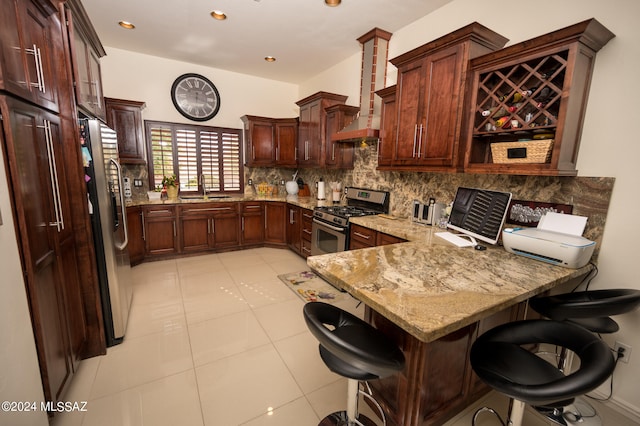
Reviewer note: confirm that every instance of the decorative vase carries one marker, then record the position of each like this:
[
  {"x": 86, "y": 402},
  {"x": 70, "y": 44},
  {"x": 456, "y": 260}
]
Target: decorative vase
[
  {"x": 172, "y": 192},
  {"x": 291, "y": 187}
]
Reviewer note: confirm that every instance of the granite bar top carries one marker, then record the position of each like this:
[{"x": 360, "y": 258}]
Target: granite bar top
[{"x": 431, "y": 288}]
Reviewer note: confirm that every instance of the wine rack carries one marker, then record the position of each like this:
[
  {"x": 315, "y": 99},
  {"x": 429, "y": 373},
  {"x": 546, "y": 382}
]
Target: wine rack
[{"x": 531, "y": 92}]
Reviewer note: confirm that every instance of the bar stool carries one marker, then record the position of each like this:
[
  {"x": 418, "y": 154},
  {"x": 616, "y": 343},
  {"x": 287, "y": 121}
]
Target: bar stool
[
  {"x": 591, "y": 310},
  {"x": 353, "y": 349},
  {"x": 499, "y": 360}
]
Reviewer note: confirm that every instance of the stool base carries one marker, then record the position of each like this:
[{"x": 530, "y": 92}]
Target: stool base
[
  {"x": 580, "y": 412},
  {"x": 339, "y": 418}
]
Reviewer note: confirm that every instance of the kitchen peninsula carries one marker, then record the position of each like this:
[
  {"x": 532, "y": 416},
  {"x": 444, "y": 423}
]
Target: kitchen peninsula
[{"x": 433, "y": 299}]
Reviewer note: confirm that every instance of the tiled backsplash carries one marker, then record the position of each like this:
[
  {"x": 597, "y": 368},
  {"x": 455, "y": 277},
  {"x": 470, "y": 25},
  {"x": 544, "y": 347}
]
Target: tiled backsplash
[{"x": 590, "y": 196}]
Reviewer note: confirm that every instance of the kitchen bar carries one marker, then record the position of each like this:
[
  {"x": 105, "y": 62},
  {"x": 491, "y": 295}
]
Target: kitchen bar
[{"x": 434, "y": 299}]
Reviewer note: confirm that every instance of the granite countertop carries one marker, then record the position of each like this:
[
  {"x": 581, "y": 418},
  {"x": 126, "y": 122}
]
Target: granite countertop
[
  {"x": 431, "y": 288},
  {"x": 305, "y": 202}
]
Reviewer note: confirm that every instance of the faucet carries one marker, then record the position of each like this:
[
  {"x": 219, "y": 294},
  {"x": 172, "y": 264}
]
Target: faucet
[{"x": 204, "y": 186}]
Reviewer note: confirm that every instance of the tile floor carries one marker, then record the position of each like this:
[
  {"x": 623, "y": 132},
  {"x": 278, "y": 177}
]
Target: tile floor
[{"x": 219, "y": 340}]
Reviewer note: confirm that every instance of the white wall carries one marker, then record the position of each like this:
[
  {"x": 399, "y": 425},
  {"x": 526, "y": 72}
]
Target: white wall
[
  {"x": 134, "y": 76},
  {"x": 19, "y": 371},
  {"x": 608, "y": 146}
]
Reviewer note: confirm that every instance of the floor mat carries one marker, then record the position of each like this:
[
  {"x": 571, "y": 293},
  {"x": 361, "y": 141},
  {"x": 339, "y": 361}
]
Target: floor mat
[{"x": 310, "y": 287}]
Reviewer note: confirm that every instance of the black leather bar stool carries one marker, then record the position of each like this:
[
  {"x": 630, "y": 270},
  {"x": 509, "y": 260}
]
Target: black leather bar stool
[
  {"x": 591, "y": 310},
  {"x": 499, "y": 359},
  {"x": 353, "y": 349}
]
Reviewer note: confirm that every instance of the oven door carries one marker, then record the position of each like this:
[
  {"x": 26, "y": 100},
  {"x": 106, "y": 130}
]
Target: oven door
[{"x": 327, "y": 238}]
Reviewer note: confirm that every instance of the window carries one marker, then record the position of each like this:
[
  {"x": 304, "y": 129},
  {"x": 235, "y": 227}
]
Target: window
[{"x": 192, "y": 152}]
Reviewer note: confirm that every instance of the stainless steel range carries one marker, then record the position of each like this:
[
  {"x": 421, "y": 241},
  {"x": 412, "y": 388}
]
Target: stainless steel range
[{"x": 330, "y": 230}]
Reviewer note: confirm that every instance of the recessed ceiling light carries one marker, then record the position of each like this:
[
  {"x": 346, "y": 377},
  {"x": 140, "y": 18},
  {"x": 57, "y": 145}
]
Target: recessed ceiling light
[
  {"x": 332, "y": 3},
  {"x": 127, "y": 25},
  {"x": 219, "y": 15},
  {"x": 269, "y": 59}
]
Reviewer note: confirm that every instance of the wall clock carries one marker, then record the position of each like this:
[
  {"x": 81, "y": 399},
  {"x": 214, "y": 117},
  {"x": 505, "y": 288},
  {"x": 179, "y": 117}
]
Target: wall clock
[{"x": 195, "y": 97}]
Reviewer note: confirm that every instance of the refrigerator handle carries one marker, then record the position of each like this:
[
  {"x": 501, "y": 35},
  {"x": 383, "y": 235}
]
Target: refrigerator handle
[{"x": 124, "y": 244}]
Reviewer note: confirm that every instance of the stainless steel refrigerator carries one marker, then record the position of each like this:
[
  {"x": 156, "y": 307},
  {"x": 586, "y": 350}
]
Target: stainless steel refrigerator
[{"x": 103, "y": 176}]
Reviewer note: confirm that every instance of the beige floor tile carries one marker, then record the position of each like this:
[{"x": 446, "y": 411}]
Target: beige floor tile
[
  {"x": 237, "y": 389},
  {"x": 250, "y": 274},
  {"x": 215, "y": 302},
  {"x": 265, "y": 292},
  {"x": 142, "y": 360},
  {"x": 169, "y": 401},
  {"x": 226, "y": 336},
  {"x": 301, "y": 354},
  {"x": 156, "y": 317},
  {"x": 283, "y": 319},
  {"x": 298, "y": 413}
]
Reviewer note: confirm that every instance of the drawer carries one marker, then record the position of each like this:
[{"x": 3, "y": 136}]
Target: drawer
[
  {"x": 364, "y": 236},
  {"x": 209, "y": 209},
  {"x": 252, "y": 207},
  {"x": 163, "y": 211},
  {"x": 385, "y": 239}
]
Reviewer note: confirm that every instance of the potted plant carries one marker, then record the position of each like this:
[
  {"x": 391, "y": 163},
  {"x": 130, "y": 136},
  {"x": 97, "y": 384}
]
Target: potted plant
[{"x": 170, "y": 184}]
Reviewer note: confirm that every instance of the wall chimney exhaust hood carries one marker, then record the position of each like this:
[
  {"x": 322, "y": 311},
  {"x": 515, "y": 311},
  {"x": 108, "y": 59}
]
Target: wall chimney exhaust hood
[{"x": 366, "y": 126}]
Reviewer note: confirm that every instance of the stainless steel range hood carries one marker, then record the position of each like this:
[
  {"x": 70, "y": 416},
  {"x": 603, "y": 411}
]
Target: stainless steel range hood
[{"x": 375, "y": 48}]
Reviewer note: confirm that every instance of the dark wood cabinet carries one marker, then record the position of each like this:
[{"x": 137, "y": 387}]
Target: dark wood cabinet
[
  {"x": 252, "y": 223},
  {"x": 528, "y": 102},
  {"x": 388, "y": 128},
  {"x": 430, "y": 98},
  {"x": 27, "y": 54},
  {"x": 294, "y": 224},
  {"x": 125, "y": 117},
  {"x": 275, "y": 223},
  {"x": 204, "y": 226},
  {"x": 306, "y": 231},
  {"x": 30, "y": 136},
  {"x": 270, "y": 141},
  {"x": 160, "y": 230},
  {"x": 339, "y": 155},
  {"x": 362, "y": 237},
  {"x": 312, "y": 133},
  {"x": 86, "y": 51},
  {"x": 135, "y": 229}
]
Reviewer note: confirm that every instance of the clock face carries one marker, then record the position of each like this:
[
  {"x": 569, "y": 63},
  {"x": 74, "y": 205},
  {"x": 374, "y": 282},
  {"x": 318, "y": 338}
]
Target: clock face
[{"x": 195, "y": 97}]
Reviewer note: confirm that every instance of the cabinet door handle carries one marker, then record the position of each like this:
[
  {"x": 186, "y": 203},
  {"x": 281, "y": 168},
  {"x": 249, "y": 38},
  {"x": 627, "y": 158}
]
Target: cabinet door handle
[
  {"x": 53, "y": 176},
  {"x": 208, "y": 226},
  {"x": 420, "y": 142},
  {"x": 213, "y": 226},
  {"x": 253, "y": 152},
  {"x": 333, "y": 151},
  {"x": 366, "y": 237},
  {"x": 306, "y": 150},
  {"x": 252, "y": 207},
  {"x": 291, "y": 219},
  {"x": 415, "y": 138},
  {"x": 277, "y": 153},
  {"x": 308, "y": 216},
  {"x": 37, "y": 58},
  {"x": 174, "y": 229},
  {"x": 242, "y": 220},
  {"x": 144, "y": 231}
]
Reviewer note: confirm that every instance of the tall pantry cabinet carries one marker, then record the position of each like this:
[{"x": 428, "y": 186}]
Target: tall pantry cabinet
[{"x": 44, "y": 170}]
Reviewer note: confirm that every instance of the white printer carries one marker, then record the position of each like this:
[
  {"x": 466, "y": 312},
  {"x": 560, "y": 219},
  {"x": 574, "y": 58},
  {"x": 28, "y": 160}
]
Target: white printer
[{"x": 548, "y": 244}]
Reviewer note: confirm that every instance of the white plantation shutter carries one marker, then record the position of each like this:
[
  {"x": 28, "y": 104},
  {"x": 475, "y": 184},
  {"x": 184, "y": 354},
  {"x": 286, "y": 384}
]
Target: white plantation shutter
[
  {"x": 231, "y": 161},
  {"x": 192, "y": 151},
  {"x": 209, "y": 142},
  {"x": 160, "y": 140},
  {"x": 185, "y": 141}
]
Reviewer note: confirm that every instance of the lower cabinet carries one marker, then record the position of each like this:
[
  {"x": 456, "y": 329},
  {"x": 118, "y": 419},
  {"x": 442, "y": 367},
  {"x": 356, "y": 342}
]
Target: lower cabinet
[
  {"x": 299, "y": 222},
  {"x": 135, "y": 231},
  {"x": 305, "y": 231},
  {"x": 252, "y": 223},
  {"x": 275, "y": 223},
  {"x": 207, "y": 226},
  {"x": 160, "y": 230},
  {"x": 361, "y": 237}
]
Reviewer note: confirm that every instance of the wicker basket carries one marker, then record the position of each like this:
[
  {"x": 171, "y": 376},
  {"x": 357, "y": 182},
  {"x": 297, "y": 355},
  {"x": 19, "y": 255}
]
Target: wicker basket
[{"x": 522, "y": 152}]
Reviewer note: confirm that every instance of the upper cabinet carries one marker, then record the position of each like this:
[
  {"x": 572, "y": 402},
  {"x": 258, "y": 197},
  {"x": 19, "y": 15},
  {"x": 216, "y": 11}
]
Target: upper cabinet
[
  {"x": 270, "y": 142},
  {"x": 312, "y": 134},
  {"x": 338, "y": 155},
  {"x": 528, "y": 101},
  {"x": 27, "y": 52},
  {"x": 86, "y": 51},
  {"x": 429, "y": 100},
  {"x": 125, "y": 117}
]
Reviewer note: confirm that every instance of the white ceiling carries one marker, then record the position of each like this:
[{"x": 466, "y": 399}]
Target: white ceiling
[{"x": 305, "y": 36}]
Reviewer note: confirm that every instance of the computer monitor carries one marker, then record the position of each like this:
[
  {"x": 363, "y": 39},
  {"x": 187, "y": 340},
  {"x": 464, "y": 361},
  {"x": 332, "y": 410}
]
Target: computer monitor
[{"x": 479, "y": 213}]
